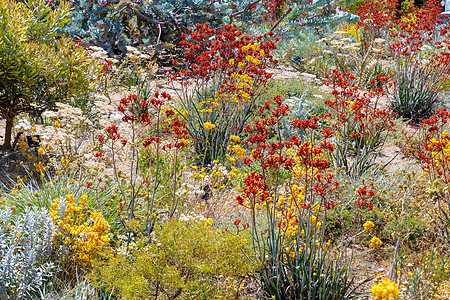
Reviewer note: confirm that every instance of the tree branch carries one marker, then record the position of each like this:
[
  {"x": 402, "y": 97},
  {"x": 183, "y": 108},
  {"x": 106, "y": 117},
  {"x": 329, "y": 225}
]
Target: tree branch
[
  {"x": 246, "y": 8},
  {"x": 281, "y": 19},
  {"x": 151, "y": 20}
]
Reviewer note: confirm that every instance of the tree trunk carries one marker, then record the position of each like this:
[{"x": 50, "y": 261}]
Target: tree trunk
[{"x": 8, "y": 132}]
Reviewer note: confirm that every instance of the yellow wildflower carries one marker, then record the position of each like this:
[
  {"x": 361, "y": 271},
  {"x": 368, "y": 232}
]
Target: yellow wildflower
[
  {"x": 83, "y": 199},
  {"x": 375, "y": 242},
  {"x": 39, "y": 167},
  {"x": 208, "y": 126},
  {"x": 235, "y": 138},
  {"x": 368, "y": 226},
  {"x": 385, "y": 289},
  {"x": 240, "y": 152}
]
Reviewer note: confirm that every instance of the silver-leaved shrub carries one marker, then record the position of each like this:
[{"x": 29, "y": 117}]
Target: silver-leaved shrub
[{"x": 25, "y": 252}]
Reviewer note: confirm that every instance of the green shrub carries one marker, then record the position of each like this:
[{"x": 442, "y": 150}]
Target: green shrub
[
  {"x": 38, "y": 67},
  {"x": 185, "y": 260}
]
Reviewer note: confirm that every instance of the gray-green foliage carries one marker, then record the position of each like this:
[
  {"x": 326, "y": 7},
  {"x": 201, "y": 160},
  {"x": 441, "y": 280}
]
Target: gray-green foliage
[
  {"x": 311, "y": 274},
  {"x": 25, "y": 252},
  {"x": 416, "y": 93},
  {"x": 299, "y": 109},
  {"x": 42, "y": 192},
  {"x": 82, "y": 290}
]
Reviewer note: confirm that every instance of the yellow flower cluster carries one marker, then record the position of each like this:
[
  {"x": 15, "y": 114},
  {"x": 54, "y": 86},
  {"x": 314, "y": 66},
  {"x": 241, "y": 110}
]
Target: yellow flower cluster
[
  {"x": 254, "y": 46},
  {"x": 208, "y": 106},
  {"x": 23, "y": 146},
  {"x": 198, "y": 174},
  {"x": 235, "y": 138},
  {"x": 444, "y": 144},
  {"x": 295, "y": 198},
  {"x": 233, "y": 172},
  {"x": 375, "y": 242},
  {"x": 289, "y": 205},
  {"x": 245, "y": 80},
  {"x": 84, "y": 236},
  {"x": 240, "y": 152},
  {"x": 290, "y": 223},
  {"x": 252, "y": 59},
  {"x": 39, "y": 167},
  {"x": 65, "y": 161},
  {"x": 313, "y": 221},
  {"x": 368, "y": 226},
  {"x": 385, "y": 290},
  {"x": 243, "y": 84},
  {"x": 208, "y": 126}
]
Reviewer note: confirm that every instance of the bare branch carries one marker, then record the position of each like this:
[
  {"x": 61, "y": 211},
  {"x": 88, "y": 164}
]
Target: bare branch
[
  {"x": 151, "y": 20},
  {"x": 246, "y": 8},
  {"x": 281, "y": 19}
]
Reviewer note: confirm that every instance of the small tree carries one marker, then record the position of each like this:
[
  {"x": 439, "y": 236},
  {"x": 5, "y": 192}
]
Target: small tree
[{"x": 38, "y": 66}]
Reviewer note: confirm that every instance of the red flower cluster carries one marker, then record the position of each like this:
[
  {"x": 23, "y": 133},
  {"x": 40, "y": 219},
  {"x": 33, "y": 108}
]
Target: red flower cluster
[
  {"x": 419, "y": 27},
  {"x": 262, "y": 152},
  {"x": 377, "y": 16},
  {"x": 306, "y": 163},
  {"x": 140, "y": 114},
  {"x": 179, "y": 132},
  {"x": 237, "y": 223},
  {"x": 355, "y": 117},
  {"x": 435, "y": 145},
  {"x": 210, "y": 52},
  {"x": 256, "y": 191},
  {"x": 274, "y": 8},
  {"x": 364, "y": 200},
  {"x": 232, "y": 64}
]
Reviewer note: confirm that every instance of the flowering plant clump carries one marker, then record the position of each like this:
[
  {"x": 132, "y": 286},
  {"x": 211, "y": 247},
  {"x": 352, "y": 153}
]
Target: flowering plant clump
[
  {"x": 84, "y": 232},
  {"x": 376, "y": 18},
  {"x": 208, "y": 126},
  {"x": 295, "y": 205},
  {"x": 148, "y": 122},
  {"x": 225, "y": 74},
  {"x": 385, "y": 290},
  {"x": 418, "y": 42},
  {"x": 435, "y": 144},
  {"x": 360, "y": 125}
]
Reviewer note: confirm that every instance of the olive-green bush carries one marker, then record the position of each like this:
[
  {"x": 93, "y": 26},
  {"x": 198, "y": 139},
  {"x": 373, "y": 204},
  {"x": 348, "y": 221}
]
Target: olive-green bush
[
  {"x": 185, "y": 260},
  {"x": 38, "y": 66}
]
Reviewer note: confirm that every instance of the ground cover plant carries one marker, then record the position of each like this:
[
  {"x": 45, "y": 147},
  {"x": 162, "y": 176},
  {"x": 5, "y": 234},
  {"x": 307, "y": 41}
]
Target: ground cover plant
[{"x": 218, "y": 171}]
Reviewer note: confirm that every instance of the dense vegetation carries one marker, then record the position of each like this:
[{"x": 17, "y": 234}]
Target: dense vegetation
[{"x": 220, "y": 150}]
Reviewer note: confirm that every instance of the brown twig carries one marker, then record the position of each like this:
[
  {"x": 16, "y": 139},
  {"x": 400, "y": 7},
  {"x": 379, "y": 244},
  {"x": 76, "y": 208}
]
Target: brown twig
[
  {"x": 281, "y": 19},
  {"x": 151, "y": 20},
  {"x": 246, "y": 8}
]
